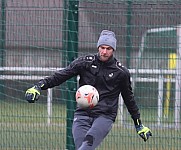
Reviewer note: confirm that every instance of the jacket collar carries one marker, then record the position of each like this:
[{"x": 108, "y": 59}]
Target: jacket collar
[{"x": 108, "y": 62}]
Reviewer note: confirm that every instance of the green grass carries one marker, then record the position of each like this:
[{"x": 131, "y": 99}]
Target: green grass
[{"x": 24, "y": 126}]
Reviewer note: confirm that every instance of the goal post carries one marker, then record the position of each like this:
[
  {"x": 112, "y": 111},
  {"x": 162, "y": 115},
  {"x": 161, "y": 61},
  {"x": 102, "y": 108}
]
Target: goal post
[
  {"x": 161, "y": 73},
  {"x": 178, "y": 79}
]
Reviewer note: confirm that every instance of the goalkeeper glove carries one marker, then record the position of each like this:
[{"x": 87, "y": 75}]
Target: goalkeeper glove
[
  {"x": 144, "y": 132},
  {"x": 32, "y": 94}
]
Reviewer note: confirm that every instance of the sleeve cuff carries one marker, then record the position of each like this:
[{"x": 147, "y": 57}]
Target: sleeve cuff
[{"x": 137, "y": 122}]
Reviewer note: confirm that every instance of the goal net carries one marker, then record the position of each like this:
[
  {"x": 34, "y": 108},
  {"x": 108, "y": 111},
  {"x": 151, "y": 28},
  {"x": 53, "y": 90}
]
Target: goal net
[{"x": 158, "y": 73}]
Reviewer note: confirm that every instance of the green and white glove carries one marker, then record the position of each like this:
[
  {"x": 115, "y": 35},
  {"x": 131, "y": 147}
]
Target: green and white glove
[
  {"x": 143, "y": 132},
  {"x": 33, "y": 93}
]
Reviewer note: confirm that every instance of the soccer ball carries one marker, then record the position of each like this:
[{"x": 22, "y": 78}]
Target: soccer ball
[{"x": 87, "y": 96}]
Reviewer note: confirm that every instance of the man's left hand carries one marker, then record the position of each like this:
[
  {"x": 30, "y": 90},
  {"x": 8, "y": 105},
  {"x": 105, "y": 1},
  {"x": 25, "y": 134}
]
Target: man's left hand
[{"x": 144, "y": 132}]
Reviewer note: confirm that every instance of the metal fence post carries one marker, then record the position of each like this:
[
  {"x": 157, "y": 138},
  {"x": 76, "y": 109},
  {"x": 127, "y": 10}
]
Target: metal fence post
[{"x": 72, "y": 49}]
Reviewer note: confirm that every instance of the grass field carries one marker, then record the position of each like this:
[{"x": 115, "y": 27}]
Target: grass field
[{"x": 24, "y": 126}]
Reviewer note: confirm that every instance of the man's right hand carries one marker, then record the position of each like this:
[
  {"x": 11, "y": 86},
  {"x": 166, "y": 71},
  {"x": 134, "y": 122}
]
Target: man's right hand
[{"x": 32, "y": 94}]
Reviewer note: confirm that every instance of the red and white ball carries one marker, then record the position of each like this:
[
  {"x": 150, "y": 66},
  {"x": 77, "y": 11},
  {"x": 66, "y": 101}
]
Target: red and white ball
[{"x": 87, "y": 96}]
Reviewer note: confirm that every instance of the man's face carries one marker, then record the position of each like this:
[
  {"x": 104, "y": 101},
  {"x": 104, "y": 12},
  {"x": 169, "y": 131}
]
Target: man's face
[{"x": 105, "y": 52}]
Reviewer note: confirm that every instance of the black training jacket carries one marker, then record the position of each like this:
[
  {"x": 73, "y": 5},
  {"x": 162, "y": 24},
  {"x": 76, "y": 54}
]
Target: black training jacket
[{"x": 109, "y": 78}]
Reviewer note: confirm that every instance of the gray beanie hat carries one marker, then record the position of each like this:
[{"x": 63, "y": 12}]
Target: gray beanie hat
[{"x": 107, "y": 38}]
